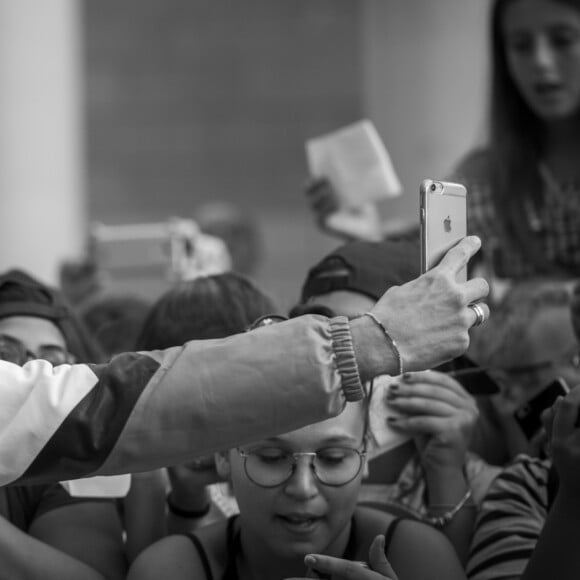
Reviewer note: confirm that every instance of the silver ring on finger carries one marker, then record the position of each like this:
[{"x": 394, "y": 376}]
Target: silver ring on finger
[{"x": 479, "y": 314}]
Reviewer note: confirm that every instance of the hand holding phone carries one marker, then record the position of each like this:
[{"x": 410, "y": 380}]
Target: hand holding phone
[
  {"x": 443, "y": 216},
  {"x": 529, "y": 415}
]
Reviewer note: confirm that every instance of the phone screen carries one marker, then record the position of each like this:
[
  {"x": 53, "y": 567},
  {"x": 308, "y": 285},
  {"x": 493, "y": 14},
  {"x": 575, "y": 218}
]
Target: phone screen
[
  {"x": 473, "y": 378},
  {"x": 528, "y": 416},
  {"x": 443, "y": 221}
]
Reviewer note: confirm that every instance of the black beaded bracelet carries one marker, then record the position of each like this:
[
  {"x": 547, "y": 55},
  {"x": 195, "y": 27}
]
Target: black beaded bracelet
[{"x": 183, "y": 513}]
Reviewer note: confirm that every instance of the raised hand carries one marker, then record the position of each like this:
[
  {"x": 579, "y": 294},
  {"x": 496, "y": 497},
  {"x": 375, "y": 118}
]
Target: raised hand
[
  {"x": 434, "y": 408},
  {"x": 362, "y": 222},
  {"x": 563, "y": 428},
  {"x": 429, "y": 317}
]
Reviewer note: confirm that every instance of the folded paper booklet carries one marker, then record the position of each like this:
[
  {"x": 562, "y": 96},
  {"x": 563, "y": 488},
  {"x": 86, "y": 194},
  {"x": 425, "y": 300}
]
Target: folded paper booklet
[
  {"x": 356, "y": 162},
  {"x": 383, "y": 436}
]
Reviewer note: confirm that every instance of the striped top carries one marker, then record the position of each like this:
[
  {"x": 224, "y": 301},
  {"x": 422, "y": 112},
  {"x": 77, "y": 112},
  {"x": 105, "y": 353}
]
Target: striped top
[{"x": 510, "y": 520}]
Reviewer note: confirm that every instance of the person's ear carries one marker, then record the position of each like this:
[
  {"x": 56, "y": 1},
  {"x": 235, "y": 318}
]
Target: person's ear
[{"x": 222, "y": 464}]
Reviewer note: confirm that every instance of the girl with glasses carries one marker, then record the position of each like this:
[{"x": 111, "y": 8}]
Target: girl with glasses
[{"x": 297, "y": 495}]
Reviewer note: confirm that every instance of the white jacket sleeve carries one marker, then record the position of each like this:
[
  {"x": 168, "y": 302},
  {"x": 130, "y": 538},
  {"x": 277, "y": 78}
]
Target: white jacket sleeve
[{"x": 145, "y": 410}]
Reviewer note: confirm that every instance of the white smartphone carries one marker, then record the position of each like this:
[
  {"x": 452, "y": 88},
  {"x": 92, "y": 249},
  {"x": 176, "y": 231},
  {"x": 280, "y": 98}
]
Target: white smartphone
[{"x": 443, "y": 221}]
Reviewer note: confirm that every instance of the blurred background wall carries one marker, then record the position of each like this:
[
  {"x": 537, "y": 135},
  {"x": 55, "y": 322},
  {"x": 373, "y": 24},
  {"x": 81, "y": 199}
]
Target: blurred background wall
[{"x": 189, "y": 101}]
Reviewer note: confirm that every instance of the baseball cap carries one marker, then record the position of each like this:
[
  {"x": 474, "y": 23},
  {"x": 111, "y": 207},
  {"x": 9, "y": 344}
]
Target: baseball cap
[
  {"x": 23, "y": 295},
  {"x": 369, "y": 268}
]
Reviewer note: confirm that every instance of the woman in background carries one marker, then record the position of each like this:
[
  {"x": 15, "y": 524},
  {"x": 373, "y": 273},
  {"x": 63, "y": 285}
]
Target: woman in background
[{"x": 524, "y": 187}]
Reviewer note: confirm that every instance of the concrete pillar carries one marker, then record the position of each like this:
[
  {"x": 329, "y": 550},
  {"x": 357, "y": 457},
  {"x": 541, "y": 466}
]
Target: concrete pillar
[{"x": 42, "y": 201}]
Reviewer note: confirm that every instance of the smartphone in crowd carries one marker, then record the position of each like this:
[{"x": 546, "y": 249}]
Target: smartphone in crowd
[
  {"x": 528, "y": 416},
  {"x": 443, "y": 216},
  {"x": 473, "y": 378}
]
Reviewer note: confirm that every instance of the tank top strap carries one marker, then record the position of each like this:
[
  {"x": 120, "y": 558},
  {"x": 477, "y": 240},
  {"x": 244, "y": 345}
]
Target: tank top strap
[
  {"x": 233, "y": 547},
  {"x": 352, "y": 545},
  {"x": 202, "y": 554},
  {"x": 390, "y": 532}
]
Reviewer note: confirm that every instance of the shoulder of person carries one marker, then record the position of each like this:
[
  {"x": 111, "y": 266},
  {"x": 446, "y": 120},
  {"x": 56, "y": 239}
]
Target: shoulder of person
[
  {"x": 524, "y": 481},
  {"x": 213, "y": 539},
  {"x": 174, "y": 557},
  {"x": 370, "y": 517},
  {"x": 525, "y": 467},
  {"x": 437, "y": 559},
  {"x": 371, "y": 522},
  {"x": 474, "y": 166}
]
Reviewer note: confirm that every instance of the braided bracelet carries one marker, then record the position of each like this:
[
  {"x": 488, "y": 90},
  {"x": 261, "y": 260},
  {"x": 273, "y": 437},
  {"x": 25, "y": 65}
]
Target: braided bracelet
[
  {"x": 444, "y": 519},
  {"x": 390, "y": 340}
]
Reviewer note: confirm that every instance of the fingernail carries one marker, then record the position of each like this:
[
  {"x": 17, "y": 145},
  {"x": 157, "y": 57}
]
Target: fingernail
[{"x": 310, "y": 560}]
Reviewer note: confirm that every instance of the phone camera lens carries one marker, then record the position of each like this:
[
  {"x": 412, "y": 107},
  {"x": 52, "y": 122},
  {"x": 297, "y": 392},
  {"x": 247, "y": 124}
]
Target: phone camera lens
[{"x": 433, "y": 187}]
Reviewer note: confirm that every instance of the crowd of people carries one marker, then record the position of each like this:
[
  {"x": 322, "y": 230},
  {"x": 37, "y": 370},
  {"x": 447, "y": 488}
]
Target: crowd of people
[{"x": 381, "y": 429}]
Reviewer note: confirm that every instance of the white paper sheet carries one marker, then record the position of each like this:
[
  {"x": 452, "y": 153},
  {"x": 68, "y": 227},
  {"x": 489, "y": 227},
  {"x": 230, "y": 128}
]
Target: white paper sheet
[{"x": 356, "y": 162}]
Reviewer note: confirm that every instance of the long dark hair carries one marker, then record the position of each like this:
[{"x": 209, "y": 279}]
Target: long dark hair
[{"x": 516, "y": 145}]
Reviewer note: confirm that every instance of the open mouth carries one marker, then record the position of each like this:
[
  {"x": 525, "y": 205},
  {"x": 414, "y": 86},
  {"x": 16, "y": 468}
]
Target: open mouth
[
  {"x": 299, "y": 522},
  {"x": 548, "y": 89}
]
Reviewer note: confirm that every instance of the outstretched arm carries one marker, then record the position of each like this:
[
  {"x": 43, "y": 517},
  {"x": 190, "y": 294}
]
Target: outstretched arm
[{"x": 146, "y": 410}]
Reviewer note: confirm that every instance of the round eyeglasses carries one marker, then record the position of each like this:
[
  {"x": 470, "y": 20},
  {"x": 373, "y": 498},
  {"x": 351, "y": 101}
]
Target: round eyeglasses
[
  {"x": 267, "y": 320},
  {"x": 332, "y": 466},
  {"x": 13, "y": 350}
]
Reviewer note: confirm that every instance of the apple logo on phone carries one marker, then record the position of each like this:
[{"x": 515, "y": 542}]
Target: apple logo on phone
[{"x": 447, "y": 224}]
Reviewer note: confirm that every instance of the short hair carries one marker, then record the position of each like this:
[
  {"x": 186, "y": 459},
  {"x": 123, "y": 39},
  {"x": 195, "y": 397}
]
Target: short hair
[
  {"x": 204, "y": 308},
  {"x": 115, "y": 320}
]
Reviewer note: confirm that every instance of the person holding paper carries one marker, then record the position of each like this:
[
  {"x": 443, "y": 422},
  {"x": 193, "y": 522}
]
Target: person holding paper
[
  {"x": 145, "y": 410},
  {"x": 352, "y": 174}
]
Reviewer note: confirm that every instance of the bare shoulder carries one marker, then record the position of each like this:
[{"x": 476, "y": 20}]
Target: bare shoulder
[
  {"x": 371, "y": 522},
  {"x": 438, "y": 558},
  {"x": 415, "y": 532},
  {"x": 172, "y": 557},
  {"x": 372, "y": 514}
]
